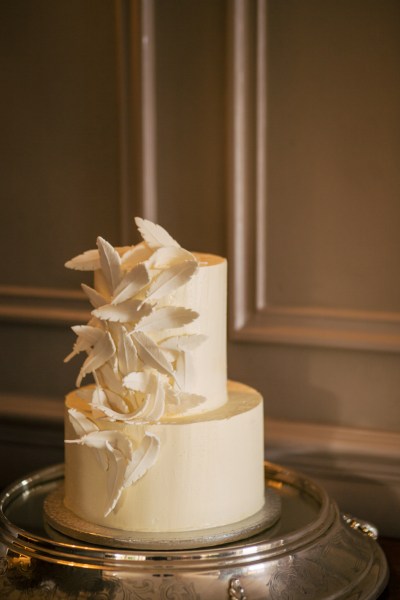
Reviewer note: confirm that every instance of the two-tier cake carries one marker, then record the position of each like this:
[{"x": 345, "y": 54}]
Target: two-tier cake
[{"x": 160, "y": 441}]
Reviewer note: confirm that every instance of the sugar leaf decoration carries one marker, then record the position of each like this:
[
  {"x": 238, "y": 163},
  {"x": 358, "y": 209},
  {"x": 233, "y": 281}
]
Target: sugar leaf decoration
[
  {"x": 171, "y": 279},
  {"x": 95, "y": 299},
  {"x": 166, "y": 256},
  {"x": 133, "y": 283},
  {"x": 135, "y": 255},
  {"x": 128, "y": 359},
  {"x": 167, "y": 317},
  {"x": 110, "y": 264},
  {"x": 184, "y": 343},
  {"x": 151, "y": 354},
  {"x": 101, "y": 352},
  {"x": 143, "y": 458},
  {"x": 88, "y": 261},
  {"x": 154, "y": 235},
  {"x": 181, "y": 402},
  {"x": 125, "y": 465},
  {"x": 81, "y": 424},
  {"x": 88, "y": 336},
  {"x": 138, "y": 352},
  {"x": 125, "y": 312}
]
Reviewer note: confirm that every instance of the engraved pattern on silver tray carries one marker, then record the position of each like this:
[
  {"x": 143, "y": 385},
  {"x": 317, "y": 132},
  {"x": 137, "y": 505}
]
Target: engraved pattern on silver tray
[{"x": 311, "y": 553}]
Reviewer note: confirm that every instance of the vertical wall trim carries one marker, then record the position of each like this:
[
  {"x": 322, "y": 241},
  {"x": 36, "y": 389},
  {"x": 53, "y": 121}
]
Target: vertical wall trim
[
  {"x": 148, "y": 111},
  {"x": 137, "y": 112},
  {"x": 253, "y": 318},
  {"x": 239, "y": 150},
  {"x": 123, "y": 95},
  {"x": 135, "y": 56},
  {"x": 261, "y": 155}
]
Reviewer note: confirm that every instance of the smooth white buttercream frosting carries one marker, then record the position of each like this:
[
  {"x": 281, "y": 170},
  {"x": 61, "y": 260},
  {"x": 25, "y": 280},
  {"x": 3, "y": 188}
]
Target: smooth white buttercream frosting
[{"x": 209, "y": 471}]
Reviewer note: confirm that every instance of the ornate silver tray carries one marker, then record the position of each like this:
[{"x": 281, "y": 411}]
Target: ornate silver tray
[{"x": 311, "y": 552}]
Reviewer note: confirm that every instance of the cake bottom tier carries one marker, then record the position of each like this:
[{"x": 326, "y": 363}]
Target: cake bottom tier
[{"x": 209, "y": 472}]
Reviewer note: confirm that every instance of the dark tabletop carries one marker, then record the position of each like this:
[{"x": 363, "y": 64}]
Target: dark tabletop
[{"x": 391, "y": 548}]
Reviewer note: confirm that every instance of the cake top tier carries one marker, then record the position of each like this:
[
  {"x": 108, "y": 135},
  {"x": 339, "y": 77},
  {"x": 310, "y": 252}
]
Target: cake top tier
[{"x": 156, "y": 339}]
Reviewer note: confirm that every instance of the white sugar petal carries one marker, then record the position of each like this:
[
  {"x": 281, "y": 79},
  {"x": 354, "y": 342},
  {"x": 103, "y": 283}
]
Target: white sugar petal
[
  {"x": 181, "y": 402},
  {"x": 119, "y": 452},
  {"x": 120, "y": 449},
  {"x": 99, "y": 397},
  {"x": 149, "y": 406},
  {"x": 110, "y": 263},
  {"x": 135, "y": 255},
  {"x": 81, "y": 424},
  {"x": 111, "y": 405},
  {"x": 100, "y": 453},
  {"x": 95, "y": 299},
  {"x": 143, "y": 458},
  {"x": 127, "y": 353},
  {"x": 101, "y": 439},
  {"x": 151, "y": 354},
  {"x": 133, "y": 282},
  {"x": 171, "y": 279},
  {"x": 129, "y": 311},
  {"x": 154, "y": 404},
  {"x": 87, "y": 337},
  {"x": 88, "y": 334},
  {"x": 101, "y": 353},
  {"x": 115, "y": 479},
  {"x": 137, "y": 381},
  {"x": 109, "y": 414},
  {"x": 76, "y": 349},
  {"x": 170, "y": 255},
  {"x": 183, "y": 343},
  {"x": 168, "y": 317},
  {"x": 88, "y": 261},
  {"x": 180, "y": 370},
  {"x": 109, "y": 379},
  {"x": 117, "y": 403},
  {"x": 154, "y": 235}
]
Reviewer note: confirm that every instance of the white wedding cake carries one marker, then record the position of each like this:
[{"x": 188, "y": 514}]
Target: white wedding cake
[{"x": 160, "y": 441}]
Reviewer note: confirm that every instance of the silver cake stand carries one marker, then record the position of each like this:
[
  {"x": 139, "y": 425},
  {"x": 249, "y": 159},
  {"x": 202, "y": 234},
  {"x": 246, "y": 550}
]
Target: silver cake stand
[{"x": 312, "y": 552}]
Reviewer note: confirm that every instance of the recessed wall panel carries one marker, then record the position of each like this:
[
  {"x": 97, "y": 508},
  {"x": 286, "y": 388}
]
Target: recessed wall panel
[
  {"x": 333, "y": 147},
  {"x": 59, "y": 145}
]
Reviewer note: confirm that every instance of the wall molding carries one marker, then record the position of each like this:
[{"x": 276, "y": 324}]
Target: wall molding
[
  {"x": 137, "y": 112},
  {"x": 314, "y": 326},
  {"x": 252, "y": 317},
  {"x": 333, "y": 450},
  {"x": 31, "y": 409},
  {"x": 43, "y": 306},
  {"x": 136, "y": 82}
]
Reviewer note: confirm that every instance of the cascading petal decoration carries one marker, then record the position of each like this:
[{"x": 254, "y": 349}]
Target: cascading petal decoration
[{"x": 139, "y": 360}]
